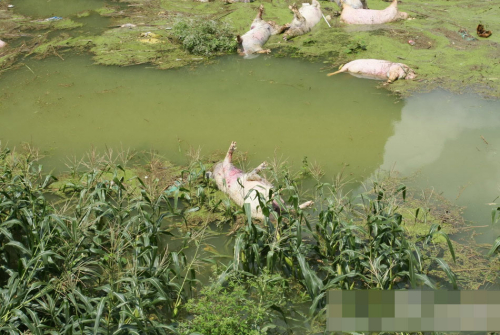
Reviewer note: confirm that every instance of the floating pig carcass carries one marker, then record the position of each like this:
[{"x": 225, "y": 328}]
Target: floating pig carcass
[
  {"x": 377, "y": 69},
  {"x": 351, "y": 15},
  {"x": 252, "y": 42},
  {"x": 243, "y": 187},
  {"x": 304, "y": 19}
]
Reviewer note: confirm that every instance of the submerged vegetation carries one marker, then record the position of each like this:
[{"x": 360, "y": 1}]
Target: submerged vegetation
[{"x": 102, "y": 250}]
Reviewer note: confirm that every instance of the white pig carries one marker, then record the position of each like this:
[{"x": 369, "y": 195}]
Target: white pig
[
  {"x": 260, "y": 31},
  {"x": 371, "y": 16},
  {"x": 242, "y": 187},
  {"x": 304, "y": 19},
  {"x": 377, "y": 69}
]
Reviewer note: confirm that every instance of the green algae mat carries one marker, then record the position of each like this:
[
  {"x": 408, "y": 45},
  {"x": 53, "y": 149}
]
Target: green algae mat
[{"x": 439, "y": 40}]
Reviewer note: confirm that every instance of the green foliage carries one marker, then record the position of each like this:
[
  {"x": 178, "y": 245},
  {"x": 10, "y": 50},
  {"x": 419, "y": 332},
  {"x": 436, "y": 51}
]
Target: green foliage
[
  {"x": 250, "y": 306},
  {"x": 495, "y": 217},
  {"x": 355, "y": 47},
  {"x": 223, "y": 311},
  {"x": 96, "y": 261},
  {"x": 205, "y": 37},
  {"x": 90, "y": 265}
]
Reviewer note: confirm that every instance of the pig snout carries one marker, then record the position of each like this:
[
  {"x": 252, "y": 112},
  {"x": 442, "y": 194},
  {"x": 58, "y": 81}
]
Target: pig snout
[{"x": 410, "y": 74}]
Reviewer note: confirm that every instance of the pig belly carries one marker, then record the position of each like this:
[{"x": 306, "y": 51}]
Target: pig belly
[
  {"x": 256, "y": 38},
  {"x": 371, "y": 68},
  {"x": 238, "y": 194},
  {"x": 368, "y": 16},
  {"x": 312, "y": 15}
]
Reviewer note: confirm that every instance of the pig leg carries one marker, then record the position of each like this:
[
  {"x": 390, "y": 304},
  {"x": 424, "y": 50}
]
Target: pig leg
[
  {"x": 341, "y": 69},
  {"x": 306, "y": 204},
  {"x": 365, "y": 6},
  {"x": 296, "y": 13},
  {"x": 259, "y": 14},
  {"x": 254, "y": 174},
  {"x": 393, "y": 74},
  {"x": 263, "y": 51},
  {"x": 229, "y": 156},
  {"x": 277, "y": 29},
  {"x": 259, "y": 168}
]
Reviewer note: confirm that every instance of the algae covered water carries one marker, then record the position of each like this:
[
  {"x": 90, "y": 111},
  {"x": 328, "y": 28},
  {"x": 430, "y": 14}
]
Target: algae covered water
[
  {"x": 269, "y": 106},
  {"x": 274, "y": 108}
]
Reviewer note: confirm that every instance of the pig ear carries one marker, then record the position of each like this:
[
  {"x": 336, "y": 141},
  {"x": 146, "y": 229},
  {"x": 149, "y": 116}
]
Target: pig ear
[{"x": 238, "y": 39}]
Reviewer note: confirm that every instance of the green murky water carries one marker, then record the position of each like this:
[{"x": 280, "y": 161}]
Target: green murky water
[
  {"x": 272, "y": 107},
  {"x": 50, "y": 8}
]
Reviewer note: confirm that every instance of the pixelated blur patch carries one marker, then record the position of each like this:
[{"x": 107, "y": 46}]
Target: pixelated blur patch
[{"x": 413, "y": 311}]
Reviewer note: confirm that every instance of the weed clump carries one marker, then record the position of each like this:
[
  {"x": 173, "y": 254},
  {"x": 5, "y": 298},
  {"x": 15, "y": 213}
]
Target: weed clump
[{"x": 205, "y": 37}]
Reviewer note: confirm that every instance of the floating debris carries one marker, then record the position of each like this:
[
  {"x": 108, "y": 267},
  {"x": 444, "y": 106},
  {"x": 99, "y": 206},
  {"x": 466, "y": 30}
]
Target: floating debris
[
  {"x": 481, "y": 32},
  {"x": 128, "y": 25},
  {"x": 466, "y": 36},
  {"x": 54, "y": 18}
]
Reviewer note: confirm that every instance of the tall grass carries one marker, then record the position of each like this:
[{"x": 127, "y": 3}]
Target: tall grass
[
  {"x": 90, "y": 264},
  {"x": 89, "y": 256}
]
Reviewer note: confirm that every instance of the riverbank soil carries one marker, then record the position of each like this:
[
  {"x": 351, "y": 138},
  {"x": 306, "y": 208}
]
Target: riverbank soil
[{"x": 439, "y": 40}]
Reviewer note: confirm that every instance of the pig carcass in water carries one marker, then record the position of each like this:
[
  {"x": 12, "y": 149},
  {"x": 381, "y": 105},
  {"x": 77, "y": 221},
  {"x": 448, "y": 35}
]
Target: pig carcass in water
[
  {"x": 242, "y": 187},
  {"x": 260, "y": 31},
  {"x": 371, "y": 16},
  {"x": 356, "y": 4},
  {"x": 304, "y": 19},
  {"x": 377, "y": 69}
]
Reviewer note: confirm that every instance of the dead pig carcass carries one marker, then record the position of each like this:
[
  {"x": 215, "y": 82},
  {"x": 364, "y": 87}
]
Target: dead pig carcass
[
  {"x": 304, "y": 19},
  {"x": 242, "y": 187},
  {"x": 351, "y": 15},
  {"x": 377, "y": 69},
  {"x": 252, "y": 42}
]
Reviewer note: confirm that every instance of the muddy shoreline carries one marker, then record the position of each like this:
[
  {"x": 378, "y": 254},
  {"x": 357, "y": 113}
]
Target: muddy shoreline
[{"x": 440, "y": 55}]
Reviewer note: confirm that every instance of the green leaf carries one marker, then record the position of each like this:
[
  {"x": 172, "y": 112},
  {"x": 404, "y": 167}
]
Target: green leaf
[
  {"x": 100, "y": 308},
  {"x": 446, "y": 268},
  {"x": 495, "y": 247},
  {"x": 450, "y": 246}
]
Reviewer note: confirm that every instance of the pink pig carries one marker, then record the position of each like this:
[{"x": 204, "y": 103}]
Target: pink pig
[
  {"x": 304, "y": 19},
  {"x": 242, "y": 187},
  {"x": 370, "y": 16},
  {"x": 260, "y": 31},
  {"x": 377, "y": 69}
]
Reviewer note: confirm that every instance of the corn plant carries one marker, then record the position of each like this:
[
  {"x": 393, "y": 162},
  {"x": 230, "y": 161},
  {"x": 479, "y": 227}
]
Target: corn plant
[{"x": 91, "y": 264}]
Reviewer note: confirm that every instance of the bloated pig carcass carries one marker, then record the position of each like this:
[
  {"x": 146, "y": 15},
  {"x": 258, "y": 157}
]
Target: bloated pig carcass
[
  {"x": 260, "y": 31},
  {"x": 242, "y": 187},
  {"x": 351, "y": 15},
  {"x": 304, "y": 19},
  {"x": 377, "y": 69},
  {"x": 356, "y": 4}
]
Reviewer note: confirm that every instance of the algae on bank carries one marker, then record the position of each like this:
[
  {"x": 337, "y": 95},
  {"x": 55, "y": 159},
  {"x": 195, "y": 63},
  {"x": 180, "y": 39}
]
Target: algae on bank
[{"x": 440, "y": 56}]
